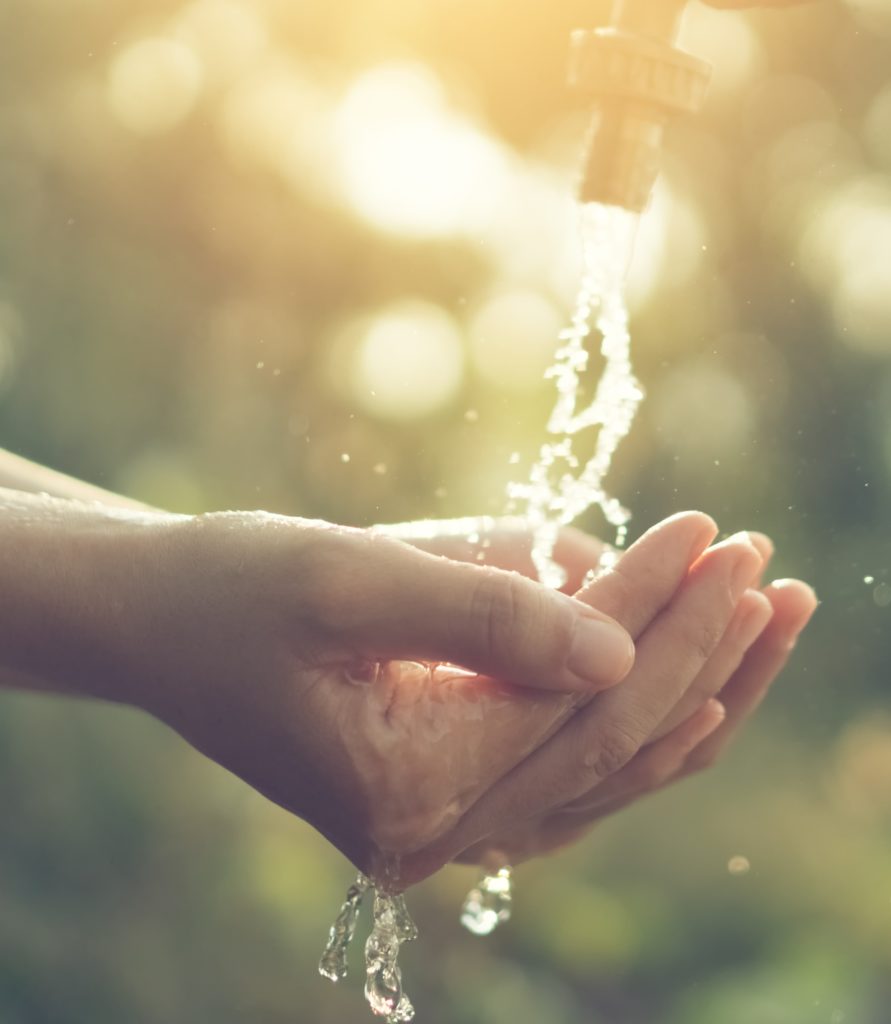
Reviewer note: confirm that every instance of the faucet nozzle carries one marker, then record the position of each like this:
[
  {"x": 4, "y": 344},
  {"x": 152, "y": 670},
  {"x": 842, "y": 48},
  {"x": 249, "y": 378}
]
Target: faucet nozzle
[{"x": 637, "y": 80}]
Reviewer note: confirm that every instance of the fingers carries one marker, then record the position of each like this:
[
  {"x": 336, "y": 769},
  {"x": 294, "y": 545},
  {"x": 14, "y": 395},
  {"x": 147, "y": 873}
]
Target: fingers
[
  {"x": 600, "y": 739},
  {"x": 647, "y": 576},
  {"x": 578, "y": 553},
  {"x": 764, "y": 545},
  {"x": 404, "y": 603},
  {"x": 752, "y": 615},
  {"x": 651, "y": 768},
  {"x": 790, "y": 605},
  {"x": 793, "y": 604}
]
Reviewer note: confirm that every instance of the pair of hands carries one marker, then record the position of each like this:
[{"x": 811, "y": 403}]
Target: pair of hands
[{"x": 317, "y": 663}]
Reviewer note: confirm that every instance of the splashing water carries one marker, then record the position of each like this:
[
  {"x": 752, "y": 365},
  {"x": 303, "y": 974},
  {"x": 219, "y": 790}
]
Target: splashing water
[
  {"x": 558, "y": 491},
  {"x": 391, "y": 926}
]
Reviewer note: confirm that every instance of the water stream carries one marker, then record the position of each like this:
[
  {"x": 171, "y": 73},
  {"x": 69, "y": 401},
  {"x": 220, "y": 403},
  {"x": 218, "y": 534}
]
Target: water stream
[{"x": 559, "y": 490}]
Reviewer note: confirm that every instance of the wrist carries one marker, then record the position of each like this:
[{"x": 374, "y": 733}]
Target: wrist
[{"x": 72, "y": 577}]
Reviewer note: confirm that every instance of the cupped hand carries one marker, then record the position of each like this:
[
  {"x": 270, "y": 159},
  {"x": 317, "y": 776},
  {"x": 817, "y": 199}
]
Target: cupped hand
[
  {"x": 738, "y": 670},
  {"x": 317, "y": 663}
]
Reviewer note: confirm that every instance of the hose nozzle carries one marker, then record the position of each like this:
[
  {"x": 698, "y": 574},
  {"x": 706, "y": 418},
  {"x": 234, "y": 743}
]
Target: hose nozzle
[{"x": 637, "y": 81}]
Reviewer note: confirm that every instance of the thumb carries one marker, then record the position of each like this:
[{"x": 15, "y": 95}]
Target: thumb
[{"x": 419, "y": 606}]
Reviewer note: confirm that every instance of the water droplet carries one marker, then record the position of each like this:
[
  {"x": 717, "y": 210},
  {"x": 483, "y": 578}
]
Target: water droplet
[
  {"x": 383, "y": 990},
  {"x": 380, "y": 469},
  {"x": 472, "y": 416},
  {"x": 489, "y": 904},
  {"x": 344, "y": 457},
  {"x": 868, "y": 580}
]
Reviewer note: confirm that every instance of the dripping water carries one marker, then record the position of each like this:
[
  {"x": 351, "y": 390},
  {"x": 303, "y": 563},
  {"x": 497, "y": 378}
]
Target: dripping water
[
  {"x": 488, "y": 905},
  {"x": 392, "y": 925}
]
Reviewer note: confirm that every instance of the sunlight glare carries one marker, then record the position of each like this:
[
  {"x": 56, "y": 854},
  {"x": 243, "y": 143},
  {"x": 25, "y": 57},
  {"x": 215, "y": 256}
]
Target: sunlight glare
[
  {"x": 410, "y": 165},
  {"x": 513, "y": 336},
  {"x": 409, "y": 362},
  {"x": 227, "y": 36},
  {"x": 845, "y": 251},
  {"x": 154, "y": 84}
]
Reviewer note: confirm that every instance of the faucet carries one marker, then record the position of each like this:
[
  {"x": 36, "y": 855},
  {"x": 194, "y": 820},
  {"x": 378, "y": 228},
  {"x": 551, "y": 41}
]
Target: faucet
[{"x": 637, "y": 79}]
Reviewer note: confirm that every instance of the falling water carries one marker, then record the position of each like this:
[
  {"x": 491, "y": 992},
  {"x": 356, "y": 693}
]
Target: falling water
[
  {"x": 333, "y": 964},
  {"x": 558, "y": 490},
  {"x": 391, "y": 926}
]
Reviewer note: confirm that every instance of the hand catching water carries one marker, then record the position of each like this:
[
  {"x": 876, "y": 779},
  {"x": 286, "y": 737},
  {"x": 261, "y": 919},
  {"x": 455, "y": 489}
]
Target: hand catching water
[
  {"x": 740, "y": 669},
  {"x": 317, "y": 663}
]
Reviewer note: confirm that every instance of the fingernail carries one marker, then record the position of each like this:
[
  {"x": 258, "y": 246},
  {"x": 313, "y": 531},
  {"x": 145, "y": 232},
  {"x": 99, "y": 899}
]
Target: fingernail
[
  {"x": 755, "y": 618},
  {"x": 716, "y": 708},
  {"x": 712, "y": 717},
  {"x": 747, "y": 564},
  {"x": 601, "y": 651},
  {"x": 763, "y": 544}
]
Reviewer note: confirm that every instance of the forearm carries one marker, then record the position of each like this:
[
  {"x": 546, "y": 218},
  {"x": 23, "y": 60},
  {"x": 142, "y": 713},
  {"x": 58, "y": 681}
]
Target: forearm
[
  {"x": 20, "y": 474},
  {"x": 65, "y": 566}
]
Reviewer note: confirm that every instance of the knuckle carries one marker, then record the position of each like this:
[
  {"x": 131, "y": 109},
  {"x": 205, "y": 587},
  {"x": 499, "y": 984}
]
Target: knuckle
[
  {"x": 518, "y": 621},
  {"x": 702, "y": 638},
  {"x": 612, "y": 751},
  {"x": 497, "y": 601},
  {"x": 615, "y": 592}
]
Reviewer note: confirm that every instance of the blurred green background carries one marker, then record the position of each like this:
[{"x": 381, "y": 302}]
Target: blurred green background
[{"x": 312, "y": 257}]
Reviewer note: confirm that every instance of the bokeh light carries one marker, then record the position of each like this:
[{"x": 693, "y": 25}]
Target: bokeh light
[
  {"x": 409, "y": 163},
  {"x": 229, "y": 37},
  {"x": 512, "y": 339},
  {"x": 409, "y": 361},
  {"x": 153, "y": 85},
  {"x": 728, "y": 42},
  {"x": 846, "y": 250}
]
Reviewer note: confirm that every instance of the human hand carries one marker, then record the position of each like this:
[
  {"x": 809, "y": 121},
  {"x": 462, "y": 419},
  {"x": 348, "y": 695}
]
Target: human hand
[
  {"x": 278, "y": 646},
  {"x": 270, "y": 644},
  {"x": 694, "y": 745},
  {"x": 740, "y": 668}
]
